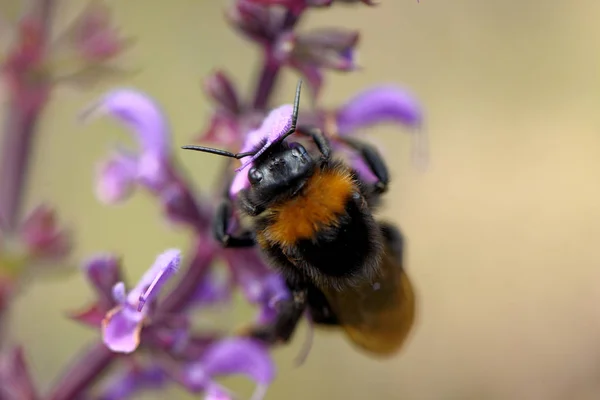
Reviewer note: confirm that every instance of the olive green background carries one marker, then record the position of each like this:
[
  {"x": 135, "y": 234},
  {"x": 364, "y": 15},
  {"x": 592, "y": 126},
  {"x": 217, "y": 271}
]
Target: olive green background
[{"x": 503, "y": 229}]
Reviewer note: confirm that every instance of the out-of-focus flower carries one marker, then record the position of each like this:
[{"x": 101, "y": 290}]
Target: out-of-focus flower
[
  {"x": 43, "y": 237},
  {"x": 15, "y": 379},
  {"x": 311, "y": 52},
  {"x": 255, "y": 21},
  {"x": 102, "y": 272},
  {"x": 296, "y": 6},
  {"x": 133, "y": 379},
  {"x": 122, "y": 325},
  {"x": 370, "y": 107},
  {"x": 260, "y": 285},
  {"x": 152, "y": 166},
  {"x": 83, "y": 54},
  {"x": 231, "y": 118},
  {"x": 227, "y": 357}
]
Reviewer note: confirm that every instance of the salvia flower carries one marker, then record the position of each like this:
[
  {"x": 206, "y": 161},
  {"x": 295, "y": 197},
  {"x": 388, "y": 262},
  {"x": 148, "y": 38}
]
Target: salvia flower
[
  {"x": 231, "y": 118},
  {"x": 257, "y": 22},
  {"x": 43, "y": 237},
  {"x": 103, "y": 272},
  {"x": 86, "y": 51},
  {"x": 133, "y": 379},
  {"x": 296, "y": 6},
  {"x": 15, "y": 379},
  {"x": 260, "y": 285},
  {"x": 122, "y": 325},
  {"x": 234, "y": 356},
  {"x": 311, "y": 52},
  {"x": 152, "y": 166}
]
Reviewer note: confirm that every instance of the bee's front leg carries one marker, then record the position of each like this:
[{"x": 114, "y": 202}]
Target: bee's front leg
[{"x": 221, "y": 224}]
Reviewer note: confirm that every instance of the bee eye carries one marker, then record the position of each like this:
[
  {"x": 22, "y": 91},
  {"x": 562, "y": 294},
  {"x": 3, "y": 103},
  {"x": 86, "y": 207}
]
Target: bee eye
[
  {"x": 254, "y": 176},
  {"x": 299, "y": 151}
]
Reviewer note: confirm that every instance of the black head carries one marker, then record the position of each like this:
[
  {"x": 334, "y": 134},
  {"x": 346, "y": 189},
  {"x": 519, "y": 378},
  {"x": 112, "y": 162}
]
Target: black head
[{"x": 280, "y": 173}]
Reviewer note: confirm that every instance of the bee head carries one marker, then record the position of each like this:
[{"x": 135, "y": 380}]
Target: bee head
[{"x": 282, "y": 172}]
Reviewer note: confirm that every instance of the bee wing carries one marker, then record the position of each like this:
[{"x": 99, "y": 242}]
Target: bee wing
[{"x": 378, "y": 316}]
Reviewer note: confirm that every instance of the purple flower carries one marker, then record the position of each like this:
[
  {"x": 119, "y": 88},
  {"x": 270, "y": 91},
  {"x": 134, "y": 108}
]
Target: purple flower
[
  {"x": 90, "y": 44},
  {"x": 260, "y": 285},
  {"x": 151, "y": 167},
  {"x": 274, "y": 126},
  {"x": 15, "y": 379},
  {"x": 310, "y": 52},
  {"x": 133, "y": 379},
  {"x": 231, "y": 118},
  {"x": 43, "y": 237},
  {"x": 230, "y": 357},
  {"x": 122, "y": 325}
]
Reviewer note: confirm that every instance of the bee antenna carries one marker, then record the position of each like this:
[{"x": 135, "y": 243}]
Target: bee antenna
[
  {"x": 218, "y": 152},
  {"x": 295, "y": 111}
]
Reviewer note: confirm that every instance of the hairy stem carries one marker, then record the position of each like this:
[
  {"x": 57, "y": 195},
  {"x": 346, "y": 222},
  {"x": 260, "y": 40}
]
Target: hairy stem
[
  {"x": 83, "y": 373},
  {"x": 270, "y": 69}
]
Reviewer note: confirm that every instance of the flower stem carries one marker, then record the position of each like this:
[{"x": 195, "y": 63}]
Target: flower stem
[
  {"x": 85, "y": 371},
  {"x": 19, "y": 135},
  {"x": 270, "y": 69}
]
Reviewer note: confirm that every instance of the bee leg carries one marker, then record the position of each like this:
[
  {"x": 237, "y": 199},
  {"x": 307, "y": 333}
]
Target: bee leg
[
  {"x": 284, "y": 325},
  {"x": 394, "y": 238},
  {"x": 374, "y": 161},
  {"x": 221, "y": 224},
  {"x": 320, "y": 140}
]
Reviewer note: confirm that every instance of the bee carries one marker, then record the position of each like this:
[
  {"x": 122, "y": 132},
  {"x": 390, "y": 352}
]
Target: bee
[{"x": 313, "y": 219}]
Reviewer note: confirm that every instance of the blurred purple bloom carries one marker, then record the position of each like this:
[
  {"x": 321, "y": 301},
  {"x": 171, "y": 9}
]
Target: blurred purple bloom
[
  {"x": 296, "y": 6},
  {"x": 310, "y": 52},
  {"x": 150, "y": 167},
  {"x": 230, "y": 357},
  {"x": 131, "y": 380},
  {"x": 103, "y": 272},
  {"x": 255, "y": 21},
  {"x": 122, "y": 325},
  {"x": 231, "y": 117},
  {"x": 43, "y": 237},
  {"x": 377, "y": 105},
  {"x": 261, "y": 286},
  {"x": 15, "y": 379}
]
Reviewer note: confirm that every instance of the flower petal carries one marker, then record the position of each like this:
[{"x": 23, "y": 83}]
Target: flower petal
[
  {"x": 124, "y": 384},
  {"x": 231, "y": 357},
  {"x": 115, "y": 178},
  {"x": 90, "y": 315},
  {"x": 140, "y": 113},
  {"x": 240, "y": 356},
  {"x": 222, "y": 91},
  {"x": 103, "y": 271},
  {"x": 386, "y": 104},
  {"x": 273, "y": 128},
  {"x": 121, "y": 329},
  {"x": 164, "y": 267},
  {"x": 43, "y": 236},
  {"x": 15, "y": 379},
  {"x": 378, "y": 105}
]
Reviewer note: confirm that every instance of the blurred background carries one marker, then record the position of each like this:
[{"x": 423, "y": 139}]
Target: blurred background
[{"x": 502, "y": 230}]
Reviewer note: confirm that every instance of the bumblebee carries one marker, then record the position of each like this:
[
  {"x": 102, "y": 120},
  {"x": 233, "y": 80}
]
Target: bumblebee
[{"x": 312, "y": 217}]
